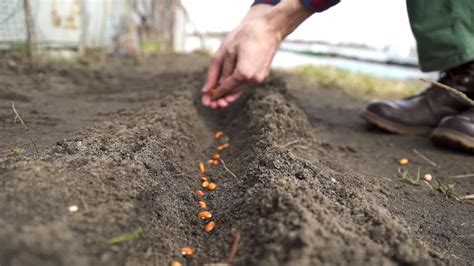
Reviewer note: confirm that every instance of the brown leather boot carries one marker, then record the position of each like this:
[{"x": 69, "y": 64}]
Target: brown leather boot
[
  {"x": 420, "y": 114},
  {"x": 456, "y": 131}
]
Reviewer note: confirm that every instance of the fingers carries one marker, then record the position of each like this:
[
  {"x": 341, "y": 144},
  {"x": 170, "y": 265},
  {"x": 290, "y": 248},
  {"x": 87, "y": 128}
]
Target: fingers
[
  {"x": 230, "y": 60},
  {"x": 214, "y": 71}
]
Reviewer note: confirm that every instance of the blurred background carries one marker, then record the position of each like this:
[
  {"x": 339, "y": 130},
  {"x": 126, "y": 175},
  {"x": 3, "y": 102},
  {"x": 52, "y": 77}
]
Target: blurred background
[{"x": 365, "y": 36}]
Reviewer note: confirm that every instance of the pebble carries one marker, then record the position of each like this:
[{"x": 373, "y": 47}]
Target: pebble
[{"x": 428, "y": 177}]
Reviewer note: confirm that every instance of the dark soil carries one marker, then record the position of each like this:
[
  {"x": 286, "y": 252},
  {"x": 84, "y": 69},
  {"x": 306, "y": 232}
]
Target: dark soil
[{"x": 315, "y": 185}]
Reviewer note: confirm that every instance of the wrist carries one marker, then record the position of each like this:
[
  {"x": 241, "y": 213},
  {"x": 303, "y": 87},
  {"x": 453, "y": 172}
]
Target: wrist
[{"x": 287, "y": 16}]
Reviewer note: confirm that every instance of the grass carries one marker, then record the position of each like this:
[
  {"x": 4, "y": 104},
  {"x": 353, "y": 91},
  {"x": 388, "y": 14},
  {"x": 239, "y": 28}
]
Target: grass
[
  {"x": 447, "y": 190},
  {"x": 408, "y": 178},
  {"x": 125, "y": 237},
  {"x": 358, "y": 85}
]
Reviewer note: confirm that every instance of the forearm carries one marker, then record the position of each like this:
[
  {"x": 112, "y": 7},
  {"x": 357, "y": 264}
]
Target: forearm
[{"x": 287, "y": 16}]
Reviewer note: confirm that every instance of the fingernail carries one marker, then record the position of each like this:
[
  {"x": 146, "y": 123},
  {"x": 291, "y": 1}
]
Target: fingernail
[{"x": 205, "y": 100}]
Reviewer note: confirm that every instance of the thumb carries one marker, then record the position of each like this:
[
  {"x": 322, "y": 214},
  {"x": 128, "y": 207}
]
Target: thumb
[{"x": 228, "y": 85}]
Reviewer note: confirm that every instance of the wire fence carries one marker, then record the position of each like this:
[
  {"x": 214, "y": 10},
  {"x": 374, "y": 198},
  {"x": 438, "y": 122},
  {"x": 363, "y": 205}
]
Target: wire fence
[
  {"x": 12, "y": 23},
  {"x": 115, "y": 26}
]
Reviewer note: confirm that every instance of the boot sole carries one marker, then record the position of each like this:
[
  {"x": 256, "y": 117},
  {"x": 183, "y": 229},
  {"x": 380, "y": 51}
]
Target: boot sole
[
  {"x": 394, "y": 127},
  {"x": 452, "y": 138}
]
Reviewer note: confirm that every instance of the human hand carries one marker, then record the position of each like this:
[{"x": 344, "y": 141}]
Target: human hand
[{"x": 244, "y": 57}]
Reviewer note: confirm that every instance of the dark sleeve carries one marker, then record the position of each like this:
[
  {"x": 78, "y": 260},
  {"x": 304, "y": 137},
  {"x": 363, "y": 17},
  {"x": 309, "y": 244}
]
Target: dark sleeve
[{"x": 313, "y": 5}]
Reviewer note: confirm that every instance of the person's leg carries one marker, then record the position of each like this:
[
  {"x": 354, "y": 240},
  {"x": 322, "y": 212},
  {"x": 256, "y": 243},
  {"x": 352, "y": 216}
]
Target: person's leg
[{"x": 444, "y": 30}]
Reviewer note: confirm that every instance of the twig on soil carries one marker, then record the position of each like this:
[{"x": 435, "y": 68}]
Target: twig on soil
[
  {"x": 83, "y": 202},
  {"x": 461, "y": 176},
  {"x": 425, "y": 158},
  {"x": 227, "y": 169},
  {"x": 290, "y": 143},
  {"x": 430, "y": 186},
  {"x": 234, "y": 248},
  {"x": 467, "y": 197},
  {"x": 18, "y": 117},
  {"x": 450, "y": 89}
]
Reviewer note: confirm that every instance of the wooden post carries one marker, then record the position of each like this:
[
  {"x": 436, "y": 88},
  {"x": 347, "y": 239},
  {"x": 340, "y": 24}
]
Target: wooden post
[
  {"x": 83, "y": 28},
  {"x": 30, "y": 32}
]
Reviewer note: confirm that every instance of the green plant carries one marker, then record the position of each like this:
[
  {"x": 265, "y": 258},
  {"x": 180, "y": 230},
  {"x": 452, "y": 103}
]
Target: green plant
[
  {"x": 357, "y": 84},
  {"x": 125, "y": 237}
]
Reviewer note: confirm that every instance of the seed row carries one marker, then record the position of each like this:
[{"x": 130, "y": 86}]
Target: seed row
[{"x": 206, "y": 183}]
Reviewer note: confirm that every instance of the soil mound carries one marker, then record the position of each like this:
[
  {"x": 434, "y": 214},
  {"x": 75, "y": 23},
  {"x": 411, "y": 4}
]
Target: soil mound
[{"x": 138, "y": 168}]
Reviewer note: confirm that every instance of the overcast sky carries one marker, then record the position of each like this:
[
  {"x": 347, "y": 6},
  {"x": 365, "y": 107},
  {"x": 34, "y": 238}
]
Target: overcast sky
[{"x": 373, "y": 22}]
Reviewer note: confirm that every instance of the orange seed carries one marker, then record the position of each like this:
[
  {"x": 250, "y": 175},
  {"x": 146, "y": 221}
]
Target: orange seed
[
  {"x": 202, "y": 168},
  {"x": 204, "y": 215},
  {"x": 210, "y": 226},
  {"x": 200, "y": 193},
  {"x": 176, "y": 263},
  {"x": 220, "y": 148},
  {"x": 187, "y": 251},
  {"x": 226, "y": 145},
  {"x": 216, "y": 156},
  {"x": 218, "y": 134},
  {"x": 205, "y": 184},
  {"x": 202, "y": 204},
  {"x": 210, "y": 161},
  {"x": 204, "y": 179},
  {"x": 404, "y": 161},
  {"x": 212, "y": 186}
]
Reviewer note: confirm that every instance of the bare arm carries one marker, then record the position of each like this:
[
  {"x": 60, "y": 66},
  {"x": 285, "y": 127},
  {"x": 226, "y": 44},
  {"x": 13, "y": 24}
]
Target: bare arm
[{"x": 246, "y": 54}]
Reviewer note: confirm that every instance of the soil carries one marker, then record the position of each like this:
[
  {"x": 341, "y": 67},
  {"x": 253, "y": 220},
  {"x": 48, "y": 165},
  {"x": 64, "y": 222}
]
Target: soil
[{"x": 314, "y": 184}]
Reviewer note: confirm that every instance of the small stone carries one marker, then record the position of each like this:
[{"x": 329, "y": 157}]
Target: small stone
[
  {"x": 428, "y": 177},
  {"x": 73, "y": 208}
]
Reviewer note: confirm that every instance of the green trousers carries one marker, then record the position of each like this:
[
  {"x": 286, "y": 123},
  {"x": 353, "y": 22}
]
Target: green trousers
[{"x": 444, "y": 32}]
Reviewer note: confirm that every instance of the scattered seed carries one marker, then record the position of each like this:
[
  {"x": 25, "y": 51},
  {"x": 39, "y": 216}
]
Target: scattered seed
[
  {"x": 218, "y": 134},
  {"x": 209, "y": 161},
  {"x": 73, "y": 208},
  {"x": 404, "y": 161},
  {"x": 205, "y": 184},
  {"x": 210, "y": 226},
  {"x": 176, "y": 263},
  {"x": 202, "y": 168},
  {"x": 215, "y": 162},
  {"x": 216, "y": 156},
  {"x": 220, "y": 148},
  {"x": 428, "y": 177},
  {"x": 204, "y": 179},
  {"x": 226, "y": 145},
  {"x": 199, "y": 193},
  {"x": 204, "y": 215},
  {"x": 211, "y": 186},
  {"x": 187, "y": 251},
  {"x": 202, "y": 204}
]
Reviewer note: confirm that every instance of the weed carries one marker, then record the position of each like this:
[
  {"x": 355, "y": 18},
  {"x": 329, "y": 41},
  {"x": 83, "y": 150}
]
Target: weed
[
  {"x": 125, "y": 237},
  {"x": 357, "y": 84},
  {"x": 408, "y": 178}
]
